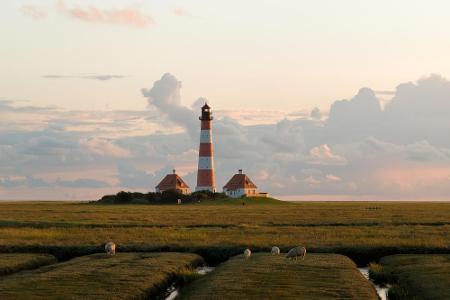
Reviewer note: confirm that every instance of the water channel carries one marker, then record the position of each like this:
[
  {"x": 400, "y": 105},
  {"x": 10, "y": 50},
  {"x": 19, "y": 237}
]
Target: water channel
[
  {"x": 173, "y": 291},
  {"x": 381, "y": 290}
]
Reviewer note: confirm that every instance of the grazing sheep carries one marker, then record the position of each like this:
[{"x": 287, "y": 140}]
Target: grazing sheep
[
  {"x": 275, "y": 250},
  {"x": 247, "y": 253},
  {"x": 294, "y": 253},
  {"x": 110, "y": 248}
]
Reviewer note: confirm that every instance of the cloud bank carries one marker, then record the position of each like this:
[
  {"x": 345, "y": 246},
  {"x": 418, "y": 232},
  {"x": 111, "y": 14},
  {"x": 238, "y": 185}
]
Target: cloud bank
[{"x": 361, "y": 150}]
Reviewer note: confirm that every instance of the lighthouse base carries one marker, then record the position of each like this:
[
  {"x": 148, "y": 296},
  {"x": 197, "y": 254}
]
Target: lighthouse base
[{"x": 206, "y": 188}]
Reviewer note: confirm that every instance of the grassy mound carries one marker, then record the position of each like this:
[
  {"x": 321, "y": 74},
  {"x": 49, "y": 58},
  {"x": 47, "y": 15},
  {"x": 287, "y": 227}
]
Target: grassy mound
[
  {"x": 123, "y": 276},
  {"x": 15, "y": 262},
  {"x": 424, "y": 276},
  {"x": 172, "y": 196},
  {"x": 263, "y": 276}
]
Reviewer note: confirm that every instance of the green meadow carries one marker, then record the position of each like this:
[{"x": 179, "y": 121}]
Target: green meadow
[
  {"x": 98, "y": 276},
  {"x": 217, "y": 231},
  {"x": 264, "y": 276}
]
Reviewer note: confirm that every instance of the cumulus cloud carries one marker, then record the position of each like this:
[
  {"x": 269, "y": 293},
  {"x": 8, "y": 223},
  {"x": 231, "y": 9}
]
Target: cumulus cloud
[
  {"x": 340, "y": 154},
  {"x": 92, "y": 14},
  {"x": 354, "y": 119},
  {"x": 165, "y": 96}
]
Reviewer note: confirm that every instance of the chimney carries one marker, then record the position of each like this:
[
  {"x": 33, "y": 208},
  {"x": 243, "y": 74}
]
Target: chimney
[
  {"x": 174, "y": 171},
  {"x": 240, "y": 171}
]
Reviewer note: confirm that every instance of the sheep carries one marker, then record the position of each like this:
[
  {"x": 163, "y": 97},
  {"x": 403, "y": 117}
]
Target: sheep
[
  {"x": 275, "y": 250},
  {"x": 110, "y": 248},
  {"x": 247, "y": 253},
  {"x": 296, "y": 252}
]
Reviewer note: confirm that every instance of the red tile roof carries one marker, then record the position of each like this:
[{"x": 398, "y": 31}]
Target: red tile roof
[
  {"x": 172, "y": 181},
  {"x": 240, "y": 181}
]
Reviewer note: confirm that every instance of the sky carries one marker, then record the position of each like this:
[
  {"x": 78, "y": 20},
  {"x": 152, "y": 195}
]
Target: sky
[{"x": 313, "y": 99}]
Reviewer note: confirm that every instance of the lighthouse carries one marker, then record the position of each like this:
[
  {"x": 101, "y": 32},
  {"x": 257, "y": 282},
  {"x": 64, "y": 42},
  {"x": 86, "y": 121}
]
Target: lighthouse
[{"x": 205, "y": 173}]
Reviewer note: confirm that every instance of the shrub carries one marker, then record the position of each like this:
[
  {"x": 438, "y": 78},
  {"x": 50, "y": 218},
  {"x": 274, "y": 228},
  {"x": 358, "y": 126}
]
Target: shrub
[{"x": 166, "y": 197}]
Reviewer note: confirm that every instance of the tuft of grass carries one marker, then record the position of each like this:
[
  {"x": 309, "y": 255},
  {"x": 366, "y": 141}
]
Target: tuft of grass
[
  {"x": 376, "y": 273},
  {"x": 424, "y": 276},
  {"x": 98, "y": 276},
  {"x": 15, "y": 262},
  {"x": 187, "y": 275},
  {"x": 263, "y": 276}
]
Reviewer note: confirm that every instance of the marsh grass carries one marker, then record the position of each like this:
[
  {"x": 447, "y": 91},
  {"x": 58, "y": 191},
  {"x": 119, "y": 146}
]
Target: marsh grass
[
  {"x": 308, "y": 214},
  {"x": 263, "y": 276},
  {"x": 365, "y": 231},
  {"x": 416, "y": 276},
  {"x": 98, "y": 276},
  {"x": 15, "y": 262},
  {"x": 364, "y": 244}
]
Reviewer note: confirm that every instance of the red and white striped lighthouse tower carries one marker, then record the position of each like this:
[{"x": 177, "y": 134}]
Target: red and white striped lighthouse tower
[{"x": 205, "y": 174}]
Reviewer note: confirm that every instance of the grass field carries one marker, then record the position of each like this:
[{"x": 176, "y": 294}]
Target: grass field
[
  {"x": 263, "y": 276},
  {"x": 424, "y": 276},
  {"x": 366, "y": 230},
  {"x": 15, "y": 262},
  {"x": 123, "y": 276}
]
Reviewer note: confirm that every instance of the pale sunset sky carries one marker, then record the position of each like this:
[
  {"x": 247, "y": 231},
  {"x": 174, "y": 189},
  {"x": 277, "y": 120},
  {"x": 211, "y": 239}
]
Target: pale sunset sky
[{"x": 77, "y": 121}]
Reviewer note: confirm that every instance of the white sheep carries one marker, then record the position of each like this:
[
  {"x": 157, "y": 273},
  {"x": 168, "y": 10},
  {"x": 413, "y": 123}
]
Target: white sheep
[
  {"x": 110, "y": 248},
  {"x": 275, "y": 250},
  {"x": 247, "y": 253},
  {"x": 294, "y": 253}
]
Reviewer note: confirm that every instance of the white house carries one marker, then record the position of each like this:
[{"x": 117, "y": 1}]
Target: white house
[{"x": 240, "y": 185}]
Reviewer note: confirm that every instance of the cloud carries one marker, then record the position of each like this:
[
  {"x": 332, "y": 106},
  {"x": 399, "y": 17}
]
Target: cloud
[
  {"x": 360, "y": 149},
  {"x": 122, "y": 16},
  {"x": 132, "y": 177},
  {"x": 388, "y": 93},
  {"x": 33, "y": 182},
  {"x": 102, "y": 77},
  {"x": 165, "y": 96},
  {"x": 180, "y": 12},
  {"x": 354, "y": 119},
  {"x": 332, "y": 178},
  {"x": 104, "y": 147},
  {"x": 339, "y": 154},
  {"x": 82, "y": 183},
  {"x": 316, "y": 114},
  {"x": 322, "y": 155},
  {"x": 33, "y": 12}
]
